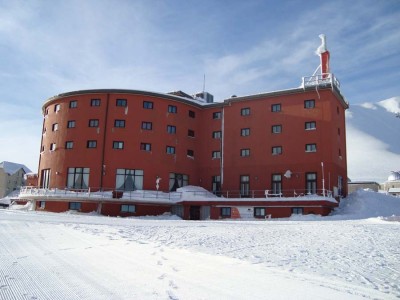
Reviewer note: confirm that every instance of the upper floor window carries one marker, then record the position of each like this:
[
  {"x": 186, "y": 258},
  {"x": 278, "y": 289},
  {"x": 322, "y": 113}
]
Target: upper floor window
[
  {"x": 145, "y": 146},
  {"x": 53, "y": 146},
  {"x": 276, "y": 107},
  {"x": 95, "y": 102},
  {"x": 245, "y": 132},
  {"x": 93, "y": 123},
  {"x": 192, "y": 114},
  {"x": 54, "y": 127},
  {"x": 78, "y": 178},
  {"x": 190, "y": 153},
  {"x": 244, "y": 152},
  {"x": 147, "y": 104},
  {"x": 121, "y": 102},
  {"x": 190, "y": 133},
  {"x": 216, "y": 134},
  {"x": 245, "y": 111},
  {"x": 309, "y": 103},
  {"x": 119, "y": 123},
  {"x": 276, "y": 150},
  {"x": 129, "y": 179},
  {"x": 311, "y": 125},
  {"x": 170, "y": 150},
  {"x": 276, "y": 128},
  {"x": 69, "y": 144},
  {"x": 171, "y": 129},
  {"x": 311, "y": 147},
  {"x": 147, "y": 125},
  {"x": 71, "y": 124},
  {"x": 172, "y": 109},
  {"x": 57, "y": 107},
  {"x": 216, "y": 154},
  {"x": 118, "y": 145},
  {"x": 217, "y": 115},
  {"x": 91, "y": 144},
  {"x": 73, "y": 104}
]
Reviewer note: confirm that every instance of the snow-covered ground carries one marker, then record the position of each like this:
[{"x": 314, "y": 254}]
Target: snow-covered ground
[{"x": 353, "y": 254}]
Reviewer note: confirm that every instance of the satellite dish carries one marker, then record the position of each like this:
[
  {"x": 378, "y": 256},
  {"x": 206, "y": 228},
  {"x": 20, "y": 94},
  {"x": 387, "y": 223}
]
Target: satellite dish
[{"x": 288, "y": 174}]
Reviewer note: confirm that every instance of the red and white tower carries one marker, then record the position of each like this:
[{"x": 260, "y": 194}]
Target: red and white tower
[{"x": 323, "y": 53}]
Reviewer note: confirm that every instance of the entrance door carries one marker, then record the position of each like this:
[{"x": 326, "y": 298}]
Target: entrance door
[{"x": 194, "y": 212}]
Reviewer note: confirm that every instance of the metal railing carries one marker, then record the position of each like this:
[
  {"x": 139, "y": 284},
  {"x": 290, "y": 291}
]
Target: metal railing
[{"x": 320, "y": 80}]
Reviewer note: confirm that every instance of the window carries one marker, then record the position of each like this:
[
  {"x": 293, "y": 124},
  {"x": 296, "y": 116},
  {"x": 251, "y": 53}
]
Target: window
[
  {"x": 95, "y": 102},
  {"x": 73, "y": 104},
  {"x": 54, "y": 127},
  {"x": 277, "y": 150},
  {"x": 74, "y": 205},
  {"x": 275, "y": 107},
  {"x": 118, "y": 145},
  {"x": 216, "y": 115},
  {"x": 245, "y": 131},
  {"x": 172, "y": 109},
  {"x": 311, "y": 183},
  {"x": 78, "y": 178},
  {"x": 216, "y": 154},
  {"x": 190, "y": 153},
  {"x": 244, "y": 185},
  {"x": 170, "y": 150},
  {"x": 45, "y": 178},
  {"x": 145, "y": 146},
  {"x": 57, "y": 107},
  {"x": 276, "y": 184},
  {"x": 244, "y": 152},
  {"x": 71, "y": 124},
  {"x": 53, "y": 146},
  {"x": 147, "y": 105},
  {"x": 191, "y": 133},
  {"x": 276, "y": 128},
  {"x": 216, "y": 185},
  {"x": 91, "y": 144},
  {"x": 297, "y": 210},
  {"x": 128, "y": 208},
  {"x": 259, "y": 212},
  {"x": 192, "y": 114},
  {"x": 119, "y": 123},
  {"x": 171, "y": 129},
  {"x": 177, "y": 180},
  {"x": 93, "y": 123},
  {"x": 129, "y": 179},
  {"x": 245, "y": 111},
  {"x": 69, "y": 144},
  {"x": 121, "y": 102},
  {"x": 216, "y": 134},
  {"x": 311, "y": 147},
  {"x": 42, "y": 204},
  {"x": 311, "y": 125},
  {"x": 338, "y": 131},
  {"x": 309, "y": 103},
  {"x": 147, "y": 125},
  {"x": 225, "y": 212}
]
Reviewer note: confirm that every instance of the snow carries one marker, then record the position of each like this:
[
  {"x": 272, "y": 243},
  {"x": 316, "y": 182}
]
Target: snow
[
  {"x": 11, "y": 168},
  {"x": 350, "y": 255}
]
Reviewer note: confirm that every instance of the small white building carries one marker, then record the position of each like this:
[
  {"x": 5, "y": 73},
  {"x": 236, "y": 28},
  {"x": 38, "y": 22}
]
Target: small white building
[
  {"x": 11, "y": 177},
  {"x": 392, "y": 185}
]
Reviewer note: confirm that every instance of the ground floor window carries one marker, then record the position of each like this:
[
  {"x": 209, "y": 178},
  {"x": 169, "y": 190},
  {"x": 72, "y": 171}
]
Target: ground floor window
[
  {"x": 225, "y": 212},
  {"x": 129, "y": 180},
  {"x": 45, "y": 178},
  {"x": 311, "y": 183},
  {"x": 78, "y": 178},
  {"x": 42, "y": 204},
  {"x": 177, "y": 180},
  {"x": 127, "y": 208},
  {"x": 74, "y": 205},
  {"x": 297, "y": 211},
  {"x": 259, "y": 212}
]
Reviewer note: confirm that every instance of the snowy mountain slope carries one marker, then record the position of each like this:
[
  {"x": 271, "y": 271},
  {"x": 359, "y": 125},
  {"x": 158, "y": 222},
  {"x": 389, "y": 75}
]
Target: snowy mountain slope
[{"x": 373, "y": 140}]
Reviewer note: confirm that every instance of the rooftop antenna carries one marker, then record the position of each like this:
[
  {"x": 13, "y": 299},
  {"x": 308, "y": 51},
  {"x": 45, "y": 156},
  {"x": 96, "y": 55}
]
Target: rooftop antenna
[{"x": 204, "y": 83}]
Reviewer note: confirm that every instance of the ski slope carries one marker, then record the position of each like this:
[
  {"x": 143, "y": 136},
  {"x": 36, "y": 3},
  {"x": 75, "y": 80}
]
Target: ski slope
[{"x": 74, "y": 256}]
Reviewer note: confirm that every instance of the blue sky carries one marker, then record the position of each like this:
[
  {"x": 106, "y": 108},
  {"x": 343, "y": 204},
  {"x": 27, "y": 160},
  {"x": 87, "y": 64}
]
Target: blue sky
[{"x": 242, "y": 47}]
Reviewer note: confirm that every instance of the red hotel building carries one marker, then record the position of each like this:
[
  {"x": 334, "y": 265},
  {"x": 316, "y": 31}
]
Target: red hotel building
[{"x": 269, "y": 154}]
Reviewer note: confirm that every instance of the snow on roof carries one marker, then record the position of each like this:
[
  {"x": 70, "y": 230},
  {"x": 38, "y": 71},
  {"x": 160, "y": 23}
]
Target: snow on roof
[{"x": 12, "y": 168}]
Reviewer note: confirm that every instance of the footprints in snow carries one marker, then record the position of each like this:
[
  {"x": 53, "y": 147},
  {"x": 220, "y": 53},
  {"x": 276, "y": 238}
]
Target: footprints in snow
[{"x": 168, "y": 271}]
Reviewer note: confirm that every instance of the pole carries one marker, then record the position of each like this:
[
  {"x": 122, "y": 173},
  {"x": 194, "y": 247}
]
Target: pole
[{"x": 323, "y": 179}]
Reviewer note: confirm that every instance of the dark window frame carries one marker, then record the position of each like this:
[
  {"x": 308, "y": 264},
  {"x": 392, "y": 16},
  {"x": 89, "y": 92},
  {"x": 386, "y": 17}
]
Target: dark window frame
[
  {"x": 245, "y": 111},
  {"x": 119, "y": 123},
  {"x": 69, "y": 145},
  {"x": 128, "y": 208},
  {"x": 148, "y": 105},
  {"x": 94, "y": 123},
  {"x": 277, "y": 107},
  {"x": 147, "y": 125},
  {"x": 309, "y": 104},
  {"x": 71, "y": 124},
  {"x": 95, "y": 102},
  {"x": 118, "y": 145},
  {"x": 73, "y": 104},
  {"x": 217, "y": 115},
  {"x": 226, "y": 212},
  {"x": 145, "y": 147},
  {"x": 170, "y": 150},
  {"x": 172, "y": 109},
  {"x": 121, "y": 102},
  {"x": 91, "y": 144},
  {"x": 276, "y": 129}
]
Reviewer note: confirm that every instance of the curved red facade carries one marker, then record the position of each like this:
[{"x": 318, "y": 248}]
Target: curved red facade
[{"x": 126, "y": 139}]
